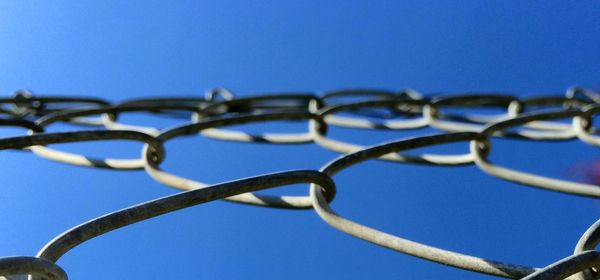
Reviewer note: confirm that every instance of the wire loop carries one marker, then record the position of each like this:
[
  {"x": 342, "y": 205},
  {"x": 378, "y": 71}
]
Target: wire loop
[
  {"x": 257, "y": 105},
  {"x": 153, "y": 169},
  {"x": 150, "y": 209},
  {"x": 322, "y": 207},
  {"x": 525, "y": 178}
]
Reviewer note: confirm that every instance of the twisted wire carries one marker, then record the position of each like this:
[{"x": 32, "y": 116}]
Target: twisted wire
[{"x": 525, "y": 119}]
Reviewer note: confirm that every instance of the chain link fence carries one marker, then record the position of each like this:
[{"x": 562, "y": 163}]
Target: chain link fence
[{"x": 540, "y": 118}]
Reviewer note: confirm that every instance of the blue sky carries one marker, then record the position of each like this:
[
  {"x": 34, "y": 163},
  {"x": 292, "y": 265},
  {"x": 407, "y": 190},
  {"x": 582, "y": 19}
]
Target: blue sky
[{"x": 118, "y": 50}]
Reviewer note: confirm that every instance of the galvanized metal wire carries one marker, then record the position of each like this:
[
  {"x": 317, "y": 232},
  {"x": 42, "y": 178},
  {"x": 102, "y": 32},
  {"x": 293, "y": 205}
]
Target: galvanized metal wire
[{"x": 531, "y": 119}]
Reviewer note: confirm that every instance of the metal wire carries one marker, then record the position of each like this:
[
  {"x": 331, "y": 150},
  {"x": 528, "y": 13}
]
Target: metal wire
[{"x": 531, "y": 119}]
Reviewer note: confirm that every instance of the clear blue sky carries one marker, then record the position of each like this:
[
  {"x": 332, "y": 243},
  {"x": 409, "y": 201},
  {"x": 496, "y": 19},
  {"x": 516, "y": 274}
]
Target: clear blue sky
[{"x": 117, "y": 50}]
